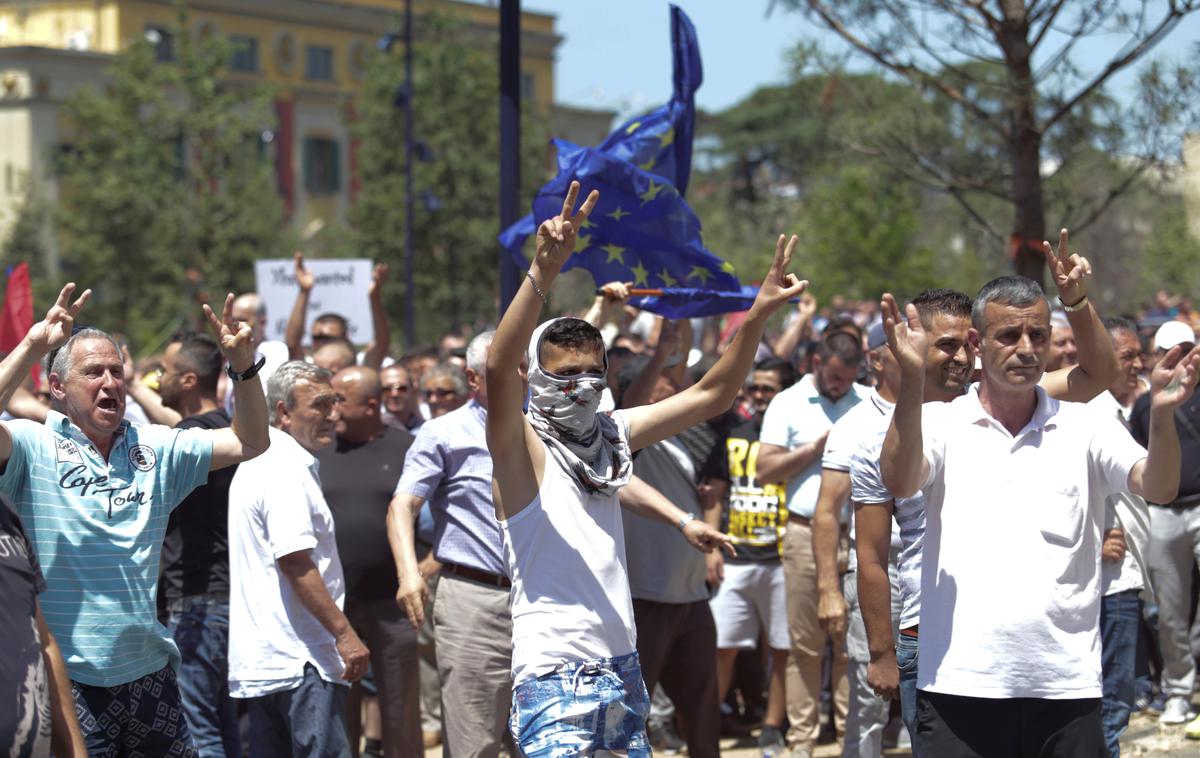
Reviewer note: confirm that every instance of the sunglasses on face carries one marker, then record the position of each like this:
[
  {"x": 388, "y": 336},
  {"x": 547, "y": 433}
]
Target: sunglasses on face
[
  {"x": 762, "y": 388},
  {"x": 396, "y": 388}
]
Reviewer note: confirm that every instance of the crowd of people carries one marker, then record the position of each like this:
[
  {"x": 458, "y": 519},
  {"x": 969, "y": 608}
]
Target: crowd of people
[{"x": 968, "y": 524}]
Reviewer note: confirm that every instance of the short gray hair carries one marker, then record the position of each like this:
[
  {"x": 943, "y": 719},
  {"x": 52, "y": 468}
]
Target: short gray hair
[
  {"x": 282, "y": 384},
  {"x": 1018, "y": 291},
  {"x": 477, "y": 351},
  {"x": 60, "y": 361},
  {"x": 449, "y": 371}
]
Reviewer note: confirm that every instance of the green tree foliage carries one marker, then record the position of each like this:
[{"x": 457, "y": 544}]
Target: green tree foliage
[
  {"x": 456, "y": 174},
  {"x": 164, "y": 188}
]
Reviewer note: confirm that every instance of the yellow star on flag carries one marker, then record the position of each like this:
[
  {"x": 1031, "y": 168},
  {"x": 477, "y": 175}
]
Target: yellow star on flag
[
  {"x": 701, "y": 273},
  {"x": 652, "y": 192},
  {"x": 582, "y": 242},
  {"x": 615, "y": 253},
  {"x": 618, "y": 214},
  {"x": 666, "y": 137},
  {"x": 587, "y": 224},
  {"x": 632, "y": 127},
  {"x": 640, "y": 274},
  {"x": 727, "y": 267},
  {"x": 647, "y": 165},
  {"x": 667, "y": 279}
]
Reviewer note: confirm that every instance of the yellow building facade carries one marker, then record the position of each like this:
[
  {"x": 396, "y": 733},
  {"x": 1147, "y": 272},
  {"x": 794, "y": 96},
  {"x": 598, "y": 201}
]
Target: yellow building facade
[{"x": 313, "y": 53}]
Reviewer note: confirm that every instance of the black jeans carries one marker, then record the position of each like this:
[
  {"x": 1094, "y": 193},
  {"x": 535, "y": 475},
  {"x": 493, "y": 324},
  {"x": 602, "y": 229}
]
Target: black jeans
[{"x": 951, "y": 726}]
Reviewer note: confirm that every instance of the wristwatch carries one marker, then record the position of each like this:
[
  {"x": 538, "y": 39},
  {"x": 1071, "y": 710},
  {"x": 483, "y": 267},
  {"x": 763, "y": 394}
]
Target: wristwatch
[
  {"x": 244, "y": 375},
  {"x": 687, "y": 519}
]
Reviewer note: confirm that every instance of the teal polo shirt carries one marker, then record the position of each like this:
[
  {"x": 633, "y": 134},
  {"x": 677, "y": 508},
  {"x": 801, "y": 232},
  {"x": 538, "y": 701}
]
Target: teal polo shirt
[{"x": 98, "y": 529}]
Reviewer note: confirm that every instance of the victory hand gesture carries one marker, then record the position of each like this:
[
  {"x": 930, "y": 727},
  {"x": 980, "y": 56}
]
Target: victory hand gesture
[
  {"x": 778, "y": 285},
  {"x": 906, "y": 338},
  {"x": 556, "y": 236},
  {"x": 1069, "y": 272},
  {"x": 1174, "y": 378},
  {"x": 233, "y": 336},
  {"x": 52, "y": 331},
  {"x": 378, "y": 276}
]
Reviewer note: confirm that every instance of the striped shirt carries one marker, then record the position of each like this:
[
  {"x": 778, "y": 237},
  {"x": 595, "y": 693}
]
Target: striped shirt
[
  {"x": 98, "y": 529},
  {"x": 449, "y": 466}
]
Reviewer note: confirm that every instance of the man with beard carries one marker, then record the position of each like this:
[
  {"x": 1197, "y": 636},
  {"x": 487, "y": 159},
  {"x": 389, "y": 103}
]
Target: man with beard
[
  {"x": 557, "y": 473},
  {"x": 195, "y": 553},
  {"x": 793, "y": 437}
]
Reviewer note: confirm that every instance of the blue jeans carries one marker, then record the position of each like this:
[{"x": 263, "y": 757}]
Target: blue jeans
[
  {"x": 308, "y": 721},
  {"x": 582, "y": 707},
  {"x": 200, "y": 626},
  {"x": 1119, "y": 616},
  {"x": 906, "y": 661}
]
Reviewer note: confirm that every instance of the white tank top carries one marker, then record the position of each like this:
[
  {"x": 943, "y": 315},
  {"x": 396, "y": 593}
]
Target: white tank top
[{"x": 570, "y": 590}]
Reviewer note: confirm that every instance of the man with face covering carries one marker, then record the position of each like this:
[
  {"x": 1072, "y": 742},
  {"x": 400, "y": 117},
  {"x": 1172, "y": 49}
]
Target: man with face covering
[{"x": 557, "y": 471}]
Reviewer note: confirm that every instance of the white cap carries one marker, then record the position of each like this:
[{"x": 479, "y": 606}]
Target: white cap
[{"x": 1173, "y": 333}]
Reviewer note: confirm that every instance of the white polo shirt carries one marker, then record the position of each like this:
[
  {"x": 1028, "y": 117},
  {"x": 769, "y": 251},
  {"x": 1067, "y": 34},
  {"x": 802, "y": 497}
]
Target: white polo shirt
[
  {"x": 276, "y": 508},
  {"x": 797, "y": 416},
  {"x": 1010, "y": 587}
]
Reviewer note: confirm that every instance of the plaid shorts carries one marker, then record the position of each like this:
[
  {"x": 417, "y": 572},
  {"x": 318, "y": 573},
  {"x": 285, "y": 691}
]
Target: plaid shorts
[
  {"x": 581, "y": 707},
  {"x": 141, "y": 718}
]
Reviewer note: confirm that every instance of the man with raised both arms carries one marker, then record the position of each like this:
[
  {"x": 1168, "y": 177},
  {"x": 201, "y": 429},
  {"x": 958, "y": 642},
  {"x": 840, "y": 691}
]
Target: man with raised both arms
[{"x": 557, "y": 471}]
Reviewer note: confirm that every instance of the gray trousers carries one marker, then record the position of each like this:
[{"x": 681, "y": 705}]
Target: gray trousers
[
  {"x": 1174, "y": 548},
  {"x": 384, "y": 627},
  {"x": 868, "y": 713},
  {"x": 474, "y": 659},
  {"x": 431, "y": 686}
]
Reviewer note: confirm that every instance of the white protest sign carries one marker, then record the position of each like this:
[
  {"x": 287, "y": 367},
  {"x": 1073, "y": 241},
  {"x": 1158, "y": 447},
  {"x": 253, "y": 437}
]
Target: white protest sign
[{"x": 340, "y": 287}]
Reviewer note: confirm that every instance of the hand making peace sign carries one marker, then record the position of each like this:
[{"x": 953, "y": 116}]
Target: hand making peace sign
[
  {"x": 234, "y": 337},
  {"x": 1069, "y": 272},
  {"x": 55, "y": 329},
  {"x": 556, "y": 236}
]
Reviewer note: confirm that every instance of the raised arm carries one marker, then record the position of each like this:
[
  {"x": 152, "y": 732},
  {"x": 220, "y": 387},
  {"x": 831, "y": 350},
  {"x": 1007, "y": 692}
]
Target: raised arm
[
  {"x": 42, "y": 337},
  {"x": 517, "y": 453},
  {"x": 716, "y": 390},
  {"x": 402, "y": 514},
  {"x": 640, "y": 389},
  {"x": 611, "y": 295},
  {"x": 293, "y": 335},
  {"x": 1098, "y": 365},
  {"x": 378, "y": 349},
  {"x": 903, "y": 461},
  {"x": 787, "y": 342},
  {"x": 1172, "y": 382},
  {"x": 247, "y": 436}
]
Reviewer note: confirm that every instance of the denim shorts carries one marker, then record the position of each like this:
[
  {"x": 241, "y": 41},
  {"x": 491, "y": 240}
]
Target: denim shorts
[{"x": 581, "y": 707}]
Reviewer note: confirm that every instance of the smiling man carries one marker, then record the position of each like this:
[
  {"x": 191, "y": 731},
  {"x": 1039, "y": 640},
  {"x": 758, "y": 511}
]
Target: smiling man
[{"x": 95, "y": 493}]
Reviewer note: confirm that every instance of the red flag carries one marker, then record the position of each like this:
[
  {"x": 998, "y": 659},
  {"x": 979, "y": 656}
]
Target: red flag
[{"x": 17, "y": 317}]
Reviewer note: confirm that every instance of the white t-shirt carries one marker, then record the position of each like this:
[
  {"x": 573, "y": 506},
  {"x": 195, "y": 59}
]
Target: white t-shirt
[
  {"x": 1129, "y": 513},
  {"x": 908, "y": 518},
  {"x": 860, "y": 422},
  {"x": 799, "y": 415},
  {"x": 565, "y": 553},
  {"x": 1010, "y": 591},
  {"x": 276, "y": 508}
]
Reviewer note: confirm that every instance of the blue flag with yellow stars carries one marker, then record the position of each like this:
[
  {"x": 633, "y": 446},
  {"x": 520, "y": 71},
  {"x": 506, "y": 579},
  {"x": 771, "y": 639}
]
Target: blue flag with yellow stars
[{"x": 642, "y": 231}]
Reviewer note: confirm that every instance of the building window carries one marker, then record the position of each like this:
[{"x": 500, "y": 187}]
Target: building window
[
  {"x": 527, "y": 87},
  {"x": 318, "y": 63},
  {"x": 322, "y": 166},
  {"x": 163, "y": 41},
  {"x": 245, "y": 54}
]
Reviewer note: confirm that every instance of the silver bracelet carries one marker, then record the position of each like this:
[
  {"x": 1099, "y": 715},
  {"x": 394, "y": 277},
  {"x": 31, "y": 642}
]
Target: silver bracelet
[
  {"x": 687, "y": 519},
  {"x": 536, "y": 288}
]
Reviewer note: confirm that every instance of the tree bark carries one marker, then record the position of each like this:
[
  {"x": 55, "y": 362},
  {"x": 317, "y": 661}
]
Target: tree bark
[{"x": 1024, "y": 145}]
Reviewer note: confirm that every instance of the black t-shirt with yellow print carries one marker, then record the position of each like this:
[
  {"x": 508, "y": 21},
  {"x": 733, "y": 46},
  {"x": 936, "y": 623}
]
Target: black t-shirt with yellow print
[{"x": 754, "y": 514}]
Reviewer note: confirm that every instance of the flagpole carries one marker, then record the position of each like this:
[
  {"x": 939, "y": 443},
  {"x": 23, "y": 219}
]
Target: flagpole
[
  {"x": 510, "y": 140},
  {"x": 410, "y": 288}
]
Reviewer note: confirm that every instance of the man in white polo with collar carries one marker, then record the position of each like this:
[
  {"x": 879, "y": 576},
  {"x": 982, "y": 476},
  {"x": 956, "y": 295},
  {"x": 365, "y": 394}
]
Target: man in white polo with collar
[
  {"x": 1014, "y": 484},
  {"x": 95, "y": 492}
]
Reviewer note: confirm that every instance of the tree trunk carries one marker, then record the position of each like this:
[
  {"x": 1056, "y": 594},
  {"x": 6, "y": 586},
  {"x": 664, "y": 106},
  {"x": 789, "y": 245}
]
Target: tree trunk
[{"x": 1024, "y": 146}]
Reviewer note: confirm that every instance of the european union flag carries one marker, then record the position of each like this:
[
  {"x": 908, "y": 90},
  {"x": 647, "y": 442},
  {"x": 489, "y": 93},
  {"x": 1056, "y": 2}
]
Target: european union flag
[{"x": 642, "y": 230}]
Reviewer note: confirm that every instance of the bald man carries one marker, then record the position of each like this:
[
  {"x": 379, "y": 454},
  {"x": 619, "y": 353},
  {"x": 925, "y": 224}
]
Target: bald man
[
  {"x": 250, "y": 308},
  {"x": 359, "y": 473}
]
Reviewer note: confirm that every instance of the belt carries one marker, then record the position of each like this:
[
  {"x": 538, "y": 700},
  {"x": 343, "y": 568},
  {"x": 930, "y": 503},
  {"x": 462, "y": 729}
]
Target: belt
[
  {"x": 795, "y": 518},
  {"x": 1185, "y": 502},
  {"x": 910, "y": 632},
  {"x": 475, "y": 575}
]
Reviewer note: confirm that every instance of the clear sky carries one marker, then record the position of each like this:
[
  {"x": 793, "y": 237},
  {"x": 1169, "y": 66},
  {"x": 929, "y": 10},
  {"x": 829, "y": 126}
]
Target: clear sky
[{"x": 616, "y": 54}]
